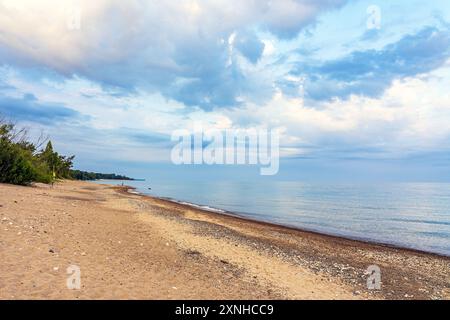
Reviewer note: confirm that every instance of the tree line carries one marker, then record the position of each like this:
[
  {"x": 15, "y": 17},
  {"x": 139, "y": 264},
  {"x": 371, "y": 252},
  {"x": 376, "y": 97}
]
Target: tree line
[
  {"x": 23, "y": 162},
  {"x": 84, "y": 175}
]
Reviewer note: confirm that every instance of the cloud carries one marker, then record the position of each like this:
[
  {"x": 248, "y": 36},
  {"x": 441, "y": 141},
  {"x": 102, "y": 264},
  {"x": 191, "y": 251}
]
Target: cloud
[
  {"x": 28, "y": 108},
  {"x": 408, "y": 118},
  {"x": 145, "y": 138},
  {"x": 371, "y": 35},
  {"x": 286, "y": 18},
  {"x": 370, "y": 73},
  {"x": 250, "y": 46},
  {"x": 177, "y": 48},
  {"x": 138, "y": 70}
]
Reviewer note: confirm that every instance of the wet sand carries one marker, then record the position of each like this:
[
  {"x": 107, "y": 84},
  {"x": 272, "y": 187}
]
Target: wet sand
[{"x": 131, "y": 246}]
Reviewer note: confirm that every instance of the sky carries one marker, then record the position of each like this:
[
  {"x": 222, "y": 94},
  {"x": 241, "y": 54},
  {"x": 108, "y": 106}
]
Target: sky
[{"x": 357, "y": 89}]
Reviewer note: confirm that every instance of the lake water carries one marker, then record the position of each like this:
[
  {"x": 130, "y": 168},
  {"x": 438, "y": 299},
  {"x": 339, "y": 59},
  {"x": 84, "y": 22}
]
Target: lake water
[{"x": 412, "y": 215}]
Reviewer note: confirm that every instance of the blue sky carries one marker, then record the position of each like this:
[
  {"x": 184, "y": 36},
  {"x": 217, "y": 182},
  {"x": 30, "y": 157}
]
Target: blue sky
[{"x": 111, "y": 80}]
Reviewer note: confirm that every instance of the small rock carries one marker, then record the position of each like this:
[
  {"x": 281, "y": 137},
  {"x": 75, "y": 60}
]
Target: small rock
[
  {"x": 83, "y": 253},
  {"x": 51, "y": 251},
  {"x": 357, "y": 293},
  {"x": 175, "y": 288},
  {"x": 55, "y": 268}
]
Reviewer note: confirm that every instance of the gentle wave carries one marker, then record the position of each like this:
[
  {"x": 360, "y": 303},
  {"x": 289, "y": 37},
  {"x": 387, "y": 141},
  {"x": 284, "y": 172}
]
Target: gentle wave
[
  {"x": 410, "y": 215},
  {"x": 198, "y": 206}
]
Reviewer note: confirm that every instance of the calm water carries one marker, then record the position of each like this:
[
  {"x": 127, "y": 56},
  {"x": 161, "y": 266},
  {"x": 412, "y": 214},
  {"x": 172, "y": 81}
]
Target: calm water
[{"x": 413, "y": 215}]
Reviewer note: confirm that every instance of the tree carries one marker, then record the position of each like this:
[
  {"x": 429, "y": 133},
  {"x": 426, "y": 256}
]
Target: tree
[
  {"x": 21, "y": 163},
  {"x": 58, "y": 166},
  {"x": 16, "y": 162}
]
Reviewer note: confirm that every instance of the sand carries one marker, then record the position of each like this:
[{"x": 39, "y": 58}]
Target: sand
[{"x": 129, "y": 246}]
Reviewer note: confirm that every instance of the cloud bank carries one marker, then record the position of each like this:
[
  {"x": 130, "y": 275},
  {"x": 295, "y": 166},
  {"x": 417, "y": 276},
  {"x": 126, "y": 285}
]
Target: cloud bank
[
  {"x": 131, "y": 72},
  {"x": 183, "y": 49}
]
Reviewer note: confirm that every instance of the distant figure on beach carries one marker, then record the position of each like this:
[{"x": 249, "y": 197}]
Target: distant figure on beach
[{"x": 54, "y": 177}]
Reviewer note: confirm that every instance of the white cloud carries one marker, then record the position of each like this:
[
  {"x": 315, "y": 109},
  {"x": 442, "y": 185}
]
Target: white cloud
[
  {"x": 411, "y": 116},
  {"x": 146, "y": 44},
  {"x": 38, "y": 31},
  {"x": 147, "y": 47}
]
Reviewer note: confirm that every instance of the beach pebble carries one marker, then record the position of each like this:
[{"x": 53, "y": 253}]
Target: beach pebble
[
  {"x": 55, "y": 268},
  {"x": 51, "y": 251},
  {"x": 83, "y": 253},
  {"x": 357, "y": 293},
  {"x": 175, "y": 288}
]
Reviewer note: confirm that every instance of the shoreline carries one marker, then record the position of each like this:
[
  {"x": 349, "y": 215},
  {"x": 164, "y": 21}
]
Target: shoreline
[
  {"x": 268, "y": 223},
  {"x": 131, "y": 246}
]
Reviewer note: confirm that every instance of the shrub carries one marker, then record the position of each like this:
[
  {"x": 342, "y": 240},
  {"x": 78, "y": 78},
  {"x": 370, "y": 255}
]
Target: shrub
[
  {"x": 16, "y": 164},
  {"x": 20, "y": 163}
]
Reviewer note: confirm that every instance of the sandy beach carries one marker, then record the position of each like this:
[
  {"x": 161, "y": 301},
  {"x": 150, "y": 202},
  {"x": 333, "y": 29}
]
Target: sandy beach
[{"x": 130, "y": 246}]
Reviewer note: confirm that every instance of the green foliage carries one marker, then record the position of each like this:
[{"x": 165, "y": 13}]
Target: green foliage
[
  {"x": 58, "y": 166},
  {"x": 20, "y": 163},
  {"x": 15, "y": 164}
]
